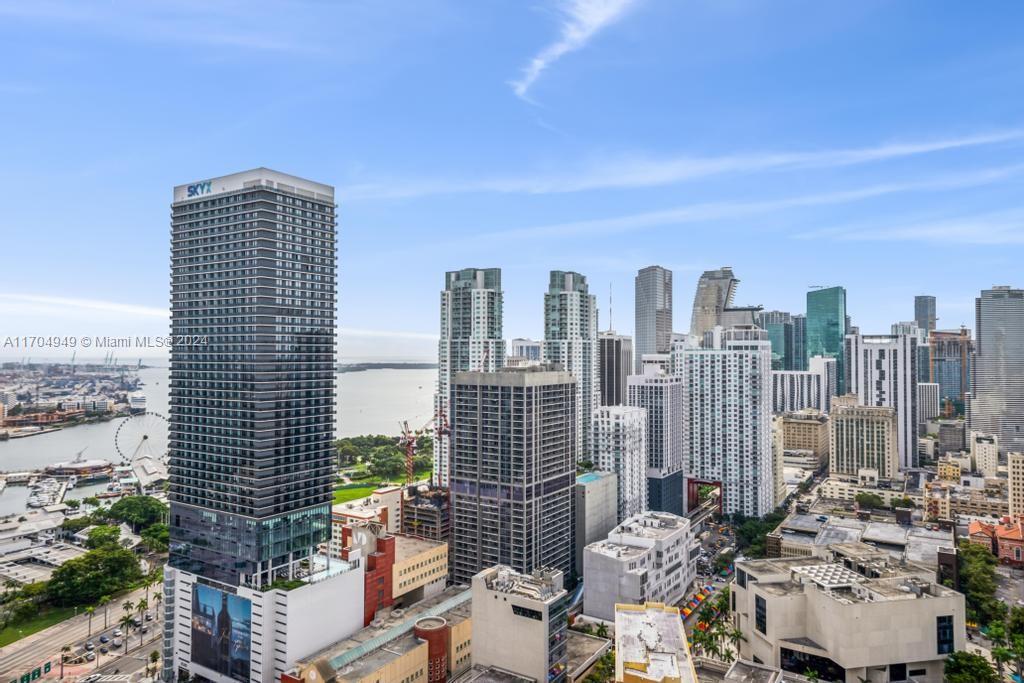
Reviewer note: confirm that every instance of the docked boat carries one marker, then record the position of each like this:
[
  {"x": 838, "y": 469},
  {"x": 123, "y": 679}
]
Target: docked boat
[{"x": 84, "y": 471}]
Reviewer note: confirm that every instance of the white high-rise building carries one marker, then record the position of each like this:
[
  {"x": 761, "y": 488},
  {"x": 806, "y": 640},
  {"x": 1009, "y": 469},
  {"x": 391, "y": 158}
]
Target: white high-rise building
[
  {"x": 653, "y": 327},
  {"x": 619, "y": 445},
  {"x": 729, "y": 417},
  {"x": 663, "y": 397},
  {"x": 471, "y": 340},
  {"x": 794, "y": 390},
  {"x": 881, "y": 370},
  {"x": 985, "y": 453},
  {"x": 570, "y": 339}
]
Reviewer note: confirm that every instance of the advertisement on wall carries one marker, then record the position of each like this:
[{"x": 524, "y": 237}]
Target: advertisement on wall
[{"x": 221, "y": 632}]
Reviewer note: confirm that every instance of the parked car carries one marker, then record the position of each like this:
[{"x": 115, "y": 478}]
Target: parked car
[
  {"x": 90, "y": 656},
  {"x": 116, "y": 643},
  {"x": 117, "y": 633},
  {"x": 104, "y": 639},
  {"x": 89, "y": 646},
  {"x": 104, "y": 650},
  {"x": 149, "y": 617}
]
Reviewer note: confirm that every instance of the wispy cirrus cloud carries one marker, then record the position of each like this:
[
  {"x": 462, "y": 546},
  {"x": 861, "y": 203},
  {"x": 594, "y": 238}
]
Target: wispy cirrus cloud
[
  {"x": 582, "y": 20},
  {"x": 712, "y": 211},
  {"x": 28, "y": 305},
  {"x": 631, "y": 172},
  {"x": 985, "y": 229}
]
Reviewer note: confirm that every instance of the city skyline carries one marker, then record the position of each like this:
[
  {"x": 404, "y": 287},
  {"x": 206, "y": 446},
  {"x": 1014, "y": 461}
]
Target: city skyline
[{"x": 901, "y": 161}]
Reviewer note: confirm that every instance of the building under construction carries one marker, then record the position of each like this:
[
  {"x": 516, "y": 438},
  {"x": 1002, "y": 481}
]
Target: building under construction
[{"x": 426, "y": 513}]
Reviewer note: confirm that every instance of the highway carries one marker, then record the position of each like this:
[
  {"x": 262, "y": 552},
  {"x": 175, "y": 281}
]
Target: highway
[{"x": 22, "y": 656}]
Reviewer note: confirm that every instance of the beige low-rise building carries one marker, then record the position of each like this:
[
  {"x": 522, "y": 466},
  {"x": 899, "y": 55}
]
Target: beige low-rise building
[
  {"x": 806, "y": 430},
  {"x": 845, "y": 619}
]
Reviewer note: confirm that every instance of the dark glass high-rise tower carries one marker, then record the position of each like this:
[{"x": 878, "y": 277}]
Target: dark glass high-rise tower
[
  {"x": 253, "y": 297},
  {"x": 826, "y": 328}
]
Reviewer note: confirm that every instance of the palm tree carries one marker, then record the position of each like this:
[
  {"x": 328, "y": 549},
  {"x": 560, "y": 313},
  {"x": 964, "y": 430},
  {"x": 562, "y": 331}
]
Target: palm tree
[
  {"x": 128, "y": 606},
  {"x": 602, "y": 630},
  {"x": 63, "y": 655},
  {"x": 158, "y": 598},
  {"x": 104, "y": 602},
  {"x": 126, "y": 624},
  {"x": 142, "y": 607},
  {"x": 89, "y": 610},
  {"x": 154, "y": 657}
]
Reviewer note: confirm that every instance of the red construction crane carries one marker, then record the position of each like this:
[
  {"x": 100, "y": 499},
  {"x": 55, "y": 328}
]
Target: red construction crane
[{"x": 407, "y": 442}]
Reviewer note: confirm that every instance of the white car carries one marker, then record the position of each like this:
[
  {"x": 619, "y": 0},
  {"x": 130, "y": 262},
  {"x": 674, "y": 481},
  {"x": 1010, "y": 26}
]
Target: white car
[{"x": 117, "y": 633}]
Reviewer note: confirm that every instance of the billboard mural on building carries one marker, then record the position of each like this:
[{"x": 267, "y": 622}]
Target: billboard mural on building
[{"x": 221, "y": 631}]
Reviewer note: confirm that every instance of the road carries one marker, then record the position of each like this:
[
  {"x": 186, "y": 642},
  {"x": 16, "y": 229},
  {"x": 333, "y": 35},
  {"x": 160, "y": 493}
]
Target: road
[{"x": 22, "y": 656}]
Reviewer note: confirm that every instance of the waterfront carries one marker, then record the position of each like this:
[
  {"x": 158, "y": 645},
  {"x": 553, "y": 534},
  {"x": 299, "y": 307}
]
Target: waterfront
[{"x": 370, "y": 402}]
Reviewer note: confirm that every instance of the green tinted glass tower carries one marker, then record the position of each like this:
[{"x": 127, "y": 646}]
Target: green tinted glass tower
[{"x": 826, "y": 328}]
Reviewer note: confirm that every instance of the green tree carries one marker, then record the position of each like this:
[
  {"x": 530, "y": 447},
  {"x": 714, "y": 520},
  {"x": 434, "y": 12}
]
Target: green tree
[
  {"x": 139, "y": 511},
  {"x": 347, "y": 452},
  {"x": 64, "y": 650},
  {"x": 602, "y": 631},
  {"x": 154, "y": 657},
  {"x": 903, "y": 503},
  {"x": 73, "y": 503},
  {"x": 723, "y": 561},
  {"x": 126, "y": 626},
  {"x": 72, "y": 525},
  {"x": 103, "y": 537},
  {"x": 869, "y": 501},
  {"x": 967, "y": 667},
  {"x": 387, "y": 462},
  {"x": 156, "y": 537},
  {"x": 85, "y": 579},
  {"x": 92, "y": 500},
  {"x": 978, "y": 583},
  {"x": 104, "y": 602}
]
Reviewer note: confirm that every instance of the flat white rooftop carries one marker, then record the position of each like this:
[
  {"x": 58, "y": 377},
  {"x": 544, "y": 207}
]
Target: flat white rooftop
[{"x": 257, "y": 177}]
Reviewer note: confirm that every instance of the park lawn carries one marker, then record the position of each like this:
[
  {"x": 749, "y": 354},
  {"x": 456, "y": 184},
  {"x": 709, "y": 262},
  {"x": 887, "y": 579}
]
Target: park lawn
[
  {"x": 47, "y": 617},
  {"x": 345, "y": 494}
]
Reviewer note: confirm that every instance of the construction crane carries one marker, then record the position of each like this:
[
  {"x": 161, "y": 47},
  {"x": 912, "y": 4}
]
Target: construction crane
[{"x": 407, "y": 442}]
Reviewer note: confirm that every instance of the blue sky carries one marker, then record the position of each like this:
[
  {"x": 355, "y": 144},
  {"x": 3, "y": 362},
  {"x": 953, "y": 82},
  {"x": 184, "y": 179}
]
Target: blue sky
[{"x": 876, "y": 145}]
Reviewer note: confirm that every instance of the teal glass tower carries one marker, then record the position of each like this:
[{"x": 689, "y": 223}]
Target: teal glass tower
[{"x": 826, "y": 328}]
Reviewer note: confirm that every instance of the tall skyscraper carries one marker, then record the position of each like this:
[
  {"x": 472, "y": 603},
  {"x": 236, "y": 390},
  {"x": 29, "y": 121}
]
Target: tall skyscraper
[
  {"x": 653, "y": 333},
  {"x": 997, "y": 399},
  {"x": 882, "y": 371},
  {"x": 924, "y": 313},
  {"x": 729, "y": 419},
  {"x": 252, "y": 411},
  {"x": 780, "y": 329},
  {"x": 713, "y": 304},
  {"x": 715, "y": 292},
  {"x": 620, "y": 446},
  {"x": 952, "y": 353},
  {"x": 513, "y": 469},
  {"x": 663, "y": 397},
  {"x": 615, "y": 363},
  {"x": 251, "y": 425},
  {"x": 570, "y": 339},
  {"x": 1015, "y": 471},
  {"x": 826, "y": 328},
  {"x": 799, "y": 342},
  {"x": 471, "y": 339}
]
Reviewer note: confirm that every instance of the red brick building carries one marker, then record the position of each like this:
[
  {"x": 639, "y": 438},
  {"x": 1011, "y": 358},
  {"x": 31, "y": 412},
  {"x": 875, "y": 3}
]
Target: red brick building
[{"x": 1005, "y": 540}]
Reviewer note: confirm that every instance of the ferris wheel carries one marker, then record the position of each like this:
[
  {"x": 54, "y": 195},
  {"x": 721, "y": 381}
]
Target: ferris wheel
[{"x": 143, "y": 434}]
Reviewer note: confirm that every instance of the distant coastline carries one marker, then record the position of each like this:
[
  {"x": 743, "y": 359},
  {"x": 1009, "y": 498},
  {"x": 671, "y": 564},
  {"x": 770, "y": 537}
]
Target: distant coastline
[{"x": 359, "y": 367}]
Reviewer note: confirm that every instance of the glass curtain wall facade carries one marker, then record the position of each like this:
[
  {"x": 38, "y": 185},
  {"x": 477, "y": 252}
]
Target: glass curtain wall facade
[{"x": 826, "y": 328}]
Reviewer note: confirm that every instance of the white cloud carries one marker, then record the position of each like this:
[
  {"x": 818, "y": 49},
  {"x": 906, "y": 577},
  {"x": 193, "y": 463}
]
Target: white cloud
[
  {"x": 987, "y": 229},
  {"x": 28, "y": 302},
  {"x": 637, "y": 172},
  {"x": 583, "y": 19},
  {"x": 712, "y": 211}
]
